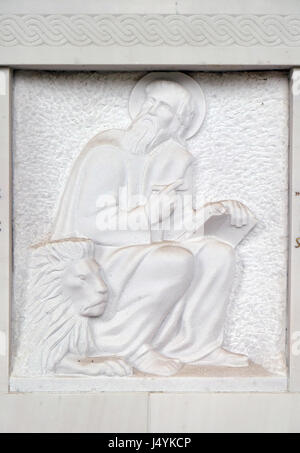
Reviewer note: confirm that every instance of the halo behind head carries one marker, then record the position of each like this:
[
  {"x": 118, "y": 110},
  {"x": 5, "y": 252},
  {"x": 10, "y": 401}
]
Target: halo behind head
[{"x": 138, "y": 96}]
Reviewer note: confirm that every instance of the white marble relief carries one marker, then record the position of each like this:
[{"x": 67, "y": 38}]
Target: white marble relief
[
  {"x": 133, "y": 273},
  {"x": 240, "y": 153}
]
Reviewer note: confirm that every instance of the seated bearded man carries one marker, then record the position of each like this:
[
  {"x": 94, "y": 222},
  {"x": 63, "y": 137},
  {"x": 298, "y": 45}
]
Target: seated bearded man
[{"x": 168, "y": 293}]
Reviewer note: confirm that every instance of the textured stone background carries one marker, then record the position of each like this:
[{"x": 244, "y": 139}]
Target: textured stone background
[{"x": 241, "y": 153}]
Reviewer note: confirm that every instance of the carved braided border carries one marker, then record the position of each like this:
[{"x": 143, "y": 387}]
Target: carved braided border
[{"x": 149, "y": 30}]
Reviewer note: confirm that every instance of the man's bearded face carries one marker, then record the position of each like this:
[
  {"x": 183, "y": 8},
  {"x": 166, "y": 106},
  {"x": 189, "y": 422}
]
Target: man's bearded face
[
  {"x": 158, "y": 119},
  {"x": 145, "y": 129}
]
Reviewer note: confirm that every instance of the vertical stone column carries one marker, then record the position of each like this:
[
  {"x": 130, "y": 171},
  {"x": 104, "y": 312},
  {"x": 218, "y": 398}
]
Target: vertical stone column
[
  {"x": 294, "y": 245},
  {"x": 5, "y": 224}
]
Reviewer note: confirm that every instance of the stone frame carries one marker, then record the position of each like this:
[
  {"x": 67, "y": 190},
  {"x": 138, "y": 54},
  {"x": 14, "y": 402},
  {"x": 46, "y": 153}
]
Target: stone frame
[{"x": 186, "y": 35}]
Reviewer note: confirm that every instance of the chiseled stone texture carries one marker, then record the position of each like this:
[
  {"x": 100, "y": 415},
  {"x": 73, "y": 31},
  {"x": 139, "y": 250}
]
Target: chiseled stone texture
[{"x": 241, "y": 153}]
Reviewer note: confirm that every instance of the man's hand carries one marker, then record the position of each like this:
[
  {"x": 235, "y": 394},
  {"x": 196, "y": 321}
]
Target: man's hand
[
  {"x": 161, "y": 204},
  {"x": 239, "y": 213}
]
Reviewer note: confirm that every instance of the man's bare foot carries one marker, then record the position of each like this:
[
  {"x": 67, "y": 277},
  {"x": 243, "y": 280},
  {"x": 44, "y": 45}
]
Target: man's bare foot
[
  {"x": 221, "y": 357},
  {"x": 151, "y": 362}
]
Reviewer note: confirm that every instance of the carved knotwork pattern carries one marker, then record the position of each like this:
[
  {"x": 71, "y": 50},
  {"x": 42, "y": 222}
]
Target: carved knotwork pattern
[{"x": 150, "y": 30}]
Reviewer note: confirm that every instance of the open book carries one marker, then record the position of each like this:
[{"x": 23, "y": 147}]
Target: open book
[
  {"x": 218, "y": 226},
  {"x": 221, "y": 228}
]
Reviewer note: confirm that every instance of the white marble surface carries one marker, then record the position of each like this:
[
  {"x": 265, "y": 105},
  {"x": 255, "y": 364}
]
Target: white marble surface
[
  {"x": 200, "y": 384},
  {"x": 5, "y": 224},
  {"x": 224, "y": 413},
  {"x": 132, "y": 413},
  {"x": 294, "y": 255},
  {"x": 49, "y": 413},
  {"x": 241, "y": 153}
]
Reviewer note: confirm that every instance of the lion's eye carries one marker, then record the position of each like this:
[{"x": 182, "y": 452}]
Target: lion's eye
[{"x": 81, "y": 276}]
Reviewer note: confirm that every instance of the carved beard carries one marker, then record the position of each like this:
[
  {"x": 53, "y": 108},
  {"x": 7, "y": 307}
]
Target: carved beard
[{"x": 143, "y": 134}]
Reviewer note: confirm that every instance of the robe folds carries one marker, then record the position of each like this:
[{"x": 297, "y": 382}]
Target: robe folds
[{"x": 170, "y": 296}]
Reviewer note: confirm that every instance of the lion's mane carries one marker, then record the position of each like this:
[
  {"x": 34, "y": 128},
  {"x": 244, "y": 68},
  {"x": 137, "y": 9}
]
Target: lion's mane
[{"x": 55, "y": 327}]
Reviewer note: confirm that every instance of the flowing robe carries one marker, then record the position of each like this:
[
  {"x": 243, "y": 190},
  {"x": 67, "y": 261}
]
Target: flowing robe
[{"x": 167, "y": 295}]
